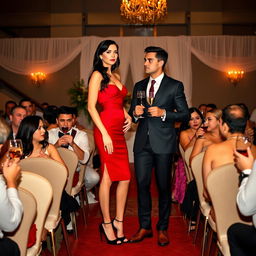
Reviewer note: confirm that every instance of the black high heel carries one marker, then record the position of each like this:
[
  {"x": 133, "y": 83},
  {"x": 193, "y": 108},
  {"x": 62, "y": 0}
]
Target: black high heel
[
  {"x": 102, "y": 231},
  {"x": 123, "y": 239}
]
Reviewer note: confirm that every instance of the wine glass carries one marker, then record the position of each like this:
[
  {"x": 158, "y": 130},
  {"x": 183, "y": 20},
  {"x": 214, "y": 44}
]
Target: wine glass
[
  {"x": 15, "y": 149},
  {"x": 64, "y": 129},
  {"x": 150, "y": 98},
  {"x": 242, "y": 143},
  {"x": 141, "y": 95}
]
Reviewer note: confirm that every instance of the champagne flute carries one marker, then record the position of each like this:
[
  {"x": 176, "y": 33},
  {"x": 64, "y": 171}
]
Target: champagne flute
[
  {"x": 141, "y": 95},
  {"x": 150, "y": 98},
  {"x": 242, "y": 143},
  {"x": 15, "y": 148}
]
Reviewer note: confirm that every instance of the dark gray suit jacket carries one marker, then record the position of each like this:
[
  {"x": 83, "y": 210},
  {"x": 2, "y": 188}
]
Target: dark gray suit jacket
[{"x": 170, "y": 96}]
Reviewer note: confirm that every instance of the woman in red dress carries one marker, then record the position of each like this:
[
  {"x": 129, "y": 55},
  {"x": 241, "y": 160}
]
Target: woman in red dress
[{"x": 111, "y": 123}]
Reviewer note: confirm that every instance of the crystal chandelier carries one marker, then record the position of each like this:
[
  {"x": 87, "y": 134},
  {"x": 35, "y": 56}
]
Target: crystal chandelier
[{"x": 143, "y": 11}]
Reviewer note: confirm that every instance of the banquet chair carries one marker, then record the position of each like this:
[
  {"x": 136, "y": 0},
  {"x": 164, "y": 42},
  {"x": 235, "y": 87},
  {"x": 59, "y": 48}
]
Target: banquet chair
[
  {"x": 56, "y": 174},
  {"x": 222, "y": 186},
  {"x": 42, "y": 191},
  {"x": 20, "y": 235},
  {"x": 80, "y": 190},
  {"x": 71, "y": 160},
  {"x": 187, "y": 154},
  {"x": 204, "y": 207}
]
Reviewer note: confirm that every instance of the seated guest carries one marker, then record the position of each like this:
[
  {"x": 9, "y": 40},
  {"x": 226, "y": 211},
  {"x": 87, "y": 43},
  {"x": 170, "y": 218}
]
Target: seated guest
[
  {"x": 66, "y": 135},
  {"x": 191, "y": 130},
  {"x": 210, "y": 106},
  {"x": 212, "y": 134},
  {"x": 30, "y": 107},
  {"x": 249, "y": 131},
  {"x": 232, "y": 125},
  {"x": 44, "y": 105},
  {"x": 9, "y": 105},
  {"x": 32, "y": 134},
  {"x": 50, "y": 116},
  {"x": 76, "y": 124},
  {"x": 242, "y": 237},
  {"x": 202, "y": 109},
  {"x": 11, "y": 209},
  {"x": 17, "y": 114}
]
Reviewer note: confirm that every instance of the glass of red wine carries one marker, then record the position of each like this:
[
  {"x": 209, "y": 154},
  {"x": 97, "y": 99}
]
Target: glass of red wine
[
  {"x": 242, "y": 143},
  {"x": 64, "y": 129},
  {"x": 15, "y": 149}
]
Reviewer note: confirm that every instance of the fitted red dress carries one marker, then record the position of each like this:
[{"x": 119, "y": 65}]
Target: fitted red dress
[{"x": 112, "y": 116}]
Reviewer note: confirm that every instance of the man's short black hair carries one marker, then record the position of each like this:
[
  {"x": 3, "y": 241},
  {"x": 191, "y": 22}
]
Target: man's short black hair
[
  {"x": 65, "y": 110},
  {"x": 235, "y": 121},
  {"x": 161, "y": 54},
  {"x": 50, "y": 114},
  {"x": 24, "y": 100}
]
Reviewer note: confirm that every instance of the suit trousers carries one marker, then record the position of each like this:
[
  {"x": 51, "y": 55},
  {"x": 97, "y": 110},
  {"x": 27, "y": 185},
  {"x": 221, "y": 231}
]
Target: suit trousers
[
  {"x": 242, "y": 239},
  {"x": 8, "y": 247},
  {"x": 144, "y": 162}
]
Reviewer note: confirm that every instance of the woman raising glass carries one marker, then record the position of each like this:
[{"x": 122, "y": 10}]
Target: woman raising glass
[
  {"x": 212, "y": 134},
  {"x": 106, "y": 89}
]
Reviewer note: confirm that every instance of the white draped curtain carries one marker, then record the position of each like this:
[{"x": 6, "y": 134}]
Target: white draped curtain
[{"x": 23, "y": 56}]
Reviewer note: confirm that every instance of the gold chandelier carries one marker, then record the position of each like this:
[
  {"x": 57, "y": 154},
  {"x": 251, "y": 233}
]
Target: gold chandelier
[{"x": 143, "y": 11}]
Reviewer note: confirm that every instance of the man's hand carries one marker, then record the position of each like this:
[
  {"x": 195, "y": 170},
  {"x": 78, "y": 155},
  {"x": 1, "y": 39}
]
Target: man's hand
[
  {"x": 244, "y": 162},
  {"x": 139, "y": 110},
  {"x": 11, "y": 171},
  {"x": 64, "y": 140},
  {"x": 156, "y": 111}
]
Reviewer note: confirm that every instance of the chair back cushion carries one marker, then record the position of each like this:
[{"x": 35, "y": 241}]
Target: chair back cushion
[{"x": 71, "y": 160}]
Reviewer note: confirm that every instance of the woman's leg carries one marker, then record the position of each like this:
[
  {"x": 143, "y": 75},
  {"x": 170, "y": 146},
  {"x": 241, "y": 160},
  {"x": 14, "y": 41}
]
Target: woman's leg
[
  {"x": 104, "y": 195},
  {"x": 121, "y": 196}
]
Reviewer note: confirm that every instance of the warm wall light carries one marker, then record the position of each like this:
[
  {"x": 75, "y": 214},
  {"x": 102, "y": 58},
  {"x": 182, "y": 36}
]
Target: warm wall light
[
  {"x": 235, "y": 76},
  {"x": 38, "y": 78}
]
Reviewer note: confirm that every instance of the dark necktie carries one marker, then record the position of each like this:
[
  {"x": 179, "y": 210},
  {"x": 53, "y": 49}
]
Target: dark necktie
[
  {"x": 60, "y": 134},
  {"x": 151, "y": 89}
]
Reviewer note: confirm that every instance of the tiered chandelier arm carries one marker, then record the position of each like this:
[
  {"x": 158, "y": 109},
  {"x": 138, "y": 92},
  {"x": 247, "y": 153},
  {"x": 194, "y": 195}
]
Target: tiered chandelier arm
[{"x": 143, "y": 11}]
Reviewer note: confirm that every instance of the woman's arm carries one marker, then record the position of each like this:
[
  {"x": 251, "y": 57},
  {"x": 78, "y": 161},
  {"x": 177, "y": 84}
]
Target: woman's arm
[
  {"x": 94, "y": 87},
  {"x": 197, "y": 149}
]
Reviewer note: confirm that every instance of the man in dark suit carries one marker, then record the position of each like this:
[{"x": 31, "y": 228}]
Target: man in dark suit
[{"x": 155, "y": 139}]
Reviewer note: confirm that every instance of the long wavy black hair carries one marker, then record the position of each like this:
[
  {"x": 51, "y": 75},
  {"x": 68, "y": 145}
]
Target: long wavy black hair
[
  {"x": 26, "y": 130},
  {"x": 98, "y": 65}
]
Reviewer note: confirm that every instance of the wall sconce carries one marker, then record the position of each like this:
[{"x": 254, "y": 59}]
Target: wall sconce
[
  {"x": 38, "y": 78},
  {"x": 235, "y": 76}
]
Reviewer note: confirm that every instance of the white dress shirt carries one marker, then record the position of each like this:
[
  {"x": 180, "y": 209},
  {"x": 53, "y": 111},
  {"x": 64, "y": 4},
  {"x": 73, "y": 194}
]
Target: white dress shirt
[
  {"x": 81, "y": 140},
  {"x": 246, "y": 197},
  {"x": 11, "y": 208},
  {"x": 156, "y": 85}
]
